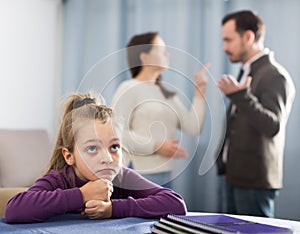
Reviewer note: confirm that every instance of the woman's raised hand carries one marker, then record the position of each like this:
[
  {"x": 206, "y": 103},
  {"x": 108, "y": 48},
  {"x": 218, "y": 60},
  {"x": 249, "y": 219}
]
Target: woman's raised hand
[{"x": 200, "y": 79}]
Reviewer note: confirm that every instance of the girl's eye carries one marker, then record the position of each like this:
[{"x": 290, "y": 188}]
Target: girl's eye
[
  {"x": 92, "y": 149},
  {"x": 114, "y": 148}
]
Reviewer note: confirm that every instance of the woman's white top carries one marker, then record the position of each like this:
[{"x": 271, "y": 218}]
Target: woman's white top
[{"x": 149, "y": 117}]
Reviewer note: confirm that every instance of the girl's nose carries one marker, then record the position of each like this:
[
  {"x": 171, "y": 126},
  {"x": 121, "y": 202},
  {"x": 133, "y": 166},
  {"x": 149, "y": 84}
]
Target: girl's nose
[{"x": 106, "y": 157}]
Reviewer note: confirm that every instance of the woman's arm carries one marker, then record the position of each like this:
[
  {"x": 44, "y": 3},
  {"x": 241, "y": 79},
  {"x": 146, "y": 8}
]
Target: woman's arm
[{"x": 191, "y": 121}]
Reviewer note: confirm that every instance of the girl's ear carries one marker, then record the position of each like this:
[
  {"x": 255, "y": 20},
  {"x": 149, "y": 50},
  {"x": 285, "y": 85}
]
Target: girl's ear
[{"x": 69, "y": 158}]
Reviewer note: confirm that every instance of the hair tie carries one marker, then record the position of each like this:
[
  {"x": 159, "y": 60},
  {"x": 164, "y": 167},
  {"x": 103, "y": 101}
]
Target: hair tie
[{"x": 83, "y": 102}]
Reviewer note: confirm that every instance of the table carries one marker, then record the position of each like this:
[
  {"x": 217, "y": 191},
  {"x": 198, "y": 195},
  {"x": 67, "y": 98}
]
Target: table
[{"x": 77, "y": 224}]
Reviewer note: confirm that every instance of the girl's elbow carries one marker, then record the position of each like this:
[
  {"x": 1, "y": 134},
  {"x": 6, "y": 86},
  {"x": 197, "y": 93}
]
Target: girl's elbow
[
  {"x": 179, "y": 208},
  {"x": 21, "y": 215},
  {"x": 11, "y": 216},
  {"x": 182, "y": 210}
]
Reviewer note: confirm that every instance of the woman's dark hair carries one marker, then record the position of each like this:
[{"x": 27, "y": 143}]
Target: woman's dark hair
[
  {"x": 247, "y": 20},
  {"x": 139, "y": 44}
]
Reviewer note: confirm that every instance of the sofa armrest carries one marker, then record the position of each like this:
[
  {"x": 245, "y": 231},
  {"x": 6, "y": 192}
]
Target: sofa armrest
[{"x": 5, "y": 195}]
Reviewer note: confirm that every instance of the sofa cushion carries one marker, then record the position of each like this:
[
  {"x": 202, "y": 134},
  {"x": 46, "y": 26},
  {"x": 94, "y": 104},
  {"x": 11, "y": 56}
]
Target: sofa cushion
[{"x": 24, "y": 155}]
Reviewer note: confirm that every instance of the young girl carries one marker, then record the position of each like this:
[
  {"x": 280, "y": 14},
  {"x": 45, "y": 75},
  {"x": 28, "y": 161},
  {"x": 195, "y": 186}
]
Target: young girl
[{"x": 85, "y": 174}]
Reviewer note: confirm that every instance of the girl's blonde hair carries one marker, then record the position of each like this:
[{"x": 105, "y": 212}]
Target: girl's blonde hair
[{"x": 78, "y": 107}]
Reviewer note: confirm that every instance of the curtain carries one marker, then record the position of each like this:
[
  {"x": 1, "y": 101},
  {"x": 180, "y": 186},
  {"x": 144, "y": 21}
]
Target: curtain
[{"x": 96, "y": 33}]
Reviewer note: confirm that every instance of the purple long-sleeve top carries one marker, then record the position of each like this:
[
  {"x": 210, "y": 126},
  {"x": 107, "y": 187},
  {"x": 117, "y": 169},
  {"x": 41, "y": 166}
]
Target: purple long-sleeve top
[{"x": 58, "y": 193}]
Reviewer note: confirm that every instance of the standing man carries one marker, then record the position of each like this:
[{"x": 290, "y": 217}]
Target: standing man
[{"x": 261, "y": 103}]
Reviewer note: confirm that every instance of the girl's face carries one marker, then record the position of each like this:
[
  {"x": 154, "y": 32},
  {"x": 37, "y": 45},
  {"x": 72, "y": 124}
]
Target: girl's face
[
  {"x": 157, "y": 56},
  {"x": 97, "y": 151}
]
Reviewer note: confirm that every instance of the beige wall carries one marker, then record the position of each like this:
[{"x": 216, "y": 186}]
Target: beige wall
[{"x": 29, "y": 74}]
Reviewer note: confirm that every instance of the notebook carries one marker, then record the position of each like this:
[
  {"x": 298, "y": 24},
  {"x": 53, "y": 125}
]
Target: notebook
[{"x": 221, "y": 224}]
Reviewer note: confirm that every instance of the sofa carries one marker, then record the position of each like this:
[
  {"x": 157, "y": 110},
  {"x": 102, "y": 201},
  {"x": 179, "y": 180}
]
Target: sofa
[{"x": 24, "y": 155}]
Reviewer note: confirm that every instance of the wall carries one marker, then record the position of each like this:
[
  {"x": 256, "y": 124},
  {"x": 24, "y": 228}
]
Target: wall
[{"x": 30, "y": 63}]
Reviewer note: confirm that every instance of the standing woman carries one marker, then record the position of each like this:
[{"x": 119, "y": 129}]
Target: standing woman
[{"x": 152, "y": 113}]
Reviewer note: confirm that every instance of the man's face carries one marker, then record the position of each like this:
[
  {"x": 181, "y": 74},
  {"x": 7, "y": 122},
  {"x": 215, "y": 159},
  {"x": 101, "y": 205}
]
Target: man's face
[{"x": 234, "y": 44}]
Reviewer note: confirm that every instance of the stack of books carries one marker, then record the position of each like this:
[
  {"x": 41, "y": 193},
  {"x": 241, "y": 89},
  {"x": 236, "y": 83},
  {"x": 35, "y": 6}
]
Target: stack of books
[{"x": 221, "y": 224}]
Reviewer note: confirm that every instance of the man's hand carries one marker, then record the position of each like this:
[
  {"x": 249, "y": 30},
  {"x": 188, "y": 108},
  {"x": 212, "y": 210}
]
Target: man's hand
[{"x": 228, "y": 84}]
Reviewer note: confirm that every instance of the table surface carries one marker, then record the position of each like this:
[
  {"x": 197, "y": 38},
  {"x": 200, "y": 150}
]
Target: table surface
[{"x": 75, "y": 223}]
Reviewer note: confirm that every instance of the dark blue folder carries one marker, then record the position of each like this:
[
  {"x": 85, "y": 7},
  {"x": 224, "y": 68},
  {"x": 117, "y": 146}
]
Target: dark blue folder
[{"x": 217, "y": 224}]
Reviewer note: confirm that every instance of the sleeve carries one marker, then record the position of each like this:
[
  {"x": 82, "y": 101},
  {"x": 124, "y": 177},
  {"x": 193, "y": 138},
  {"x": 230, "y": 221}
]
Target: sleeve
[
  {"x": 124, "y": 103},
  {"x": 46, "y": 198},
  {"x": 266, "y": 112},
  {"x": 191, "y": 121},
  {"x": 145, "y": 199}
]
